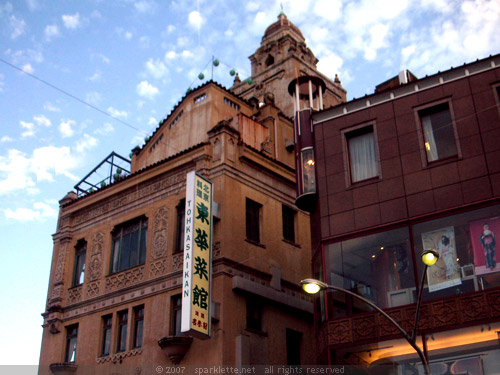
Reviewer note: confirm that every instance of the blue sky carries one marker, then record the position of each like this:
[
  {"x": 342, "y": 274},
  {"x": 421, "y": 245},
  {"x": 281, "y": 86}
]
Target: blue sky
[{"x": 134, "y": 60}]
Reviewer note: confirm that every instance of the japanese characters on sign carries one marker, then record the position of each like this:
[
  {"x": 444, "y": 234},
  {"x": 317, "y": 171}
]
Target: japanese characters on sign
[{"x": 197, "y": 275}]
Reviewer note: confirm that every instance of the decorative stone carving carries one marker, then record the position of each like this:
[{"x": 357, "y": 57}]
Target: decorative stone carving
[
  {"x": 473, "y": 308},
  {"x": 93, "y": 289},
  {"x": 59, "y": 275},
  {"x": 177, "y": 261},
  {"x": 445, "y": 313},
  {"x": 95, "y": 261},
  {"x": 158, "y": 268},
  {"x": 74, "y": 295},
  {"x": 339, "y": 331},
  {"x": 493, "y": 300},
  {"x": 124, "y": 278},
  {"x": 118, "y": 357},
  {"x": 175, "y": 347},
  {"x": 56, "y": 294},
  {"x": 231, "y": 152},
  {"x": 63, "y": 368},
  {"x": 364, "y": 327},
  {"x": 216, "y": 249},
  {"x": 160, "y": 229},
  {"x": 386, "y": 328}
]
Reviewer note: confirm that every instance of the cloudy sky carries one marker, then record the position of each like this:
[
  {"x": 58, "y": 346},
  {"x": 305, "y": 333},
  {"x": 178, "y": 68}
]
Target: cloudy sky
[{"x": 79, "y": 79}]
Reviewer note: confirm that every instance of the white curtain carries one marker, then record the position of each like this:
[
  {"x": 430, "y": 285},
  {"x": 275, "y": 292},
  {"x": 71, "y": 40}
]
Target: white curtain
[
  {"x": 363, "y": 157},
  {"x": 430, "y": 142}
]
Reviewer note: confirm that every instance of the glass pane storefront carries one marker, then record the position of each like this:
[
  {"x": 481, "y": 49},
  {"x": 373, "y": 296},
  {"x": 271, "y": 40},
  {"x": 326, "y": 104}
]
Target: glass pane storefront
[
  {"x": 378, "y": 267},
  {"x": 467, "y": 248}
]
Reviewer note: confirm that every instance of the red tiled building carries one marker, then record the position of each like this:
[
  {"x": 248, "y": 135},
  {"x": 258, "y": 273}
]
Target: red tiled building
[{"x": 414, "y": 166}]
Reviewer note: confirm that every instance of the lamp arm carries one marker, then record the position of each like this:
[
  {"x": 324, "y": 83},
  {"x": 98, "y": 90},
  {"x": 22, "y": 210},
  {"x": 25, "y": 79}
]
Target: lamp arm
[
  {"x": 410, "y": 340},
  {"x": 419, "y": 300}
]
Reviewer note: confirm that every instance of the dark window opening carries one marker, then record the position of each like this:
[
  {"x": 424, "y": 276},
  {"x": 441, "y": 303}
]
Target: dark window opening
[
  {"x": 252, "y": 220},
  {"x": 138, "y": 326},
  {"x": 107, "y": 322},
  {"x": 254, "y": 314},
  {"x": 288, "y": 216},
  {"x": 129, "y": 245},
  {"x": 269, "y": 60},
  {"x": 176, "y": 315},
  {"x": 121, "y": 343},
  {"x": 293, "y": 339},
  {"x": 181, "y": 217},
  {"x": 79, "y": 268},
  {"x": 71, "y": 339}
]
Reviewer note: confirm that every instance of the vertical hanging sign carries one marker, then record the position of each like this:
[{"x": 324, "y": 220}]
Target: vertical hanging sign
[{"x": 197, "y": 271}]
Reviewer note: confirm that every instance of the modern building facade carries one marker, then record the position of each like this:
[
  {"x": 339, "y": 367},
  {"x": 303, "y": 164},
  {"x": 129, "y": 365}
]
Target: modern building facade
[
  {"x": 114, "y": 296},
  {"x": 415, "y": 166}
]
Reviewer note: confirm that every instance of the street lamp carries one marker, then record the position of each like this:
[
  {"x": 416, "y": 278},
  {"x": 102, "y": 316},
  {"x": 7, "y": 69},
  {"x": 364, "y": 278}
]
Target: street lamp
[{"x": 429, "y": 258}]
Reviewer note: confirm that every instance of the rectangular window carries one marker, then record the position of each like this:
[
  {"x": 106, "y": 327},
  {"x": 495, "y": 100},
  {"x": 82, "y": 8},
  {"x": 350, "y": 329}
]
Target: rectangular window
[
  {"x": 293, "y": 339},
  {"x": 439, "y": 135},
  {"x": 79, "y": 270},
  {"x": 254, "y": 314},
  {"x": 107, "y": 322},
  {"x": 252, "y": 220},
  {"x": 200, "y": 98},
  {"x": 129, "y": 245},
  {"x": 288, "y": 215},
  {"x": 138, "y": 326},
  {"x": 121, "y": 343},
  {"x": 71, "y": 339},
  {"x": 176, "y": 315},
  {"x": 362, "y": 154},
  {"x": 179, "y": 236}
]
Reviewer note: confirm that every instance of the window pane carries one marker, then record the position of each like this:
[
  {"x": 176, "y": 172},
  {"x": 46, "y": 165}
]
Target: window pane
[
  {"x": 143, "y": 244},
  {"x": 79, "y": 270},
  {"x": 106, "y": 335},
  {"x": 181, "y": 209},
  {"x": 71, "y": 340},
  {"x": 138, "y": 326},
  {"x": 288, "y": 216},
  {"x": 252, "y": 220},
  {"x": 122, "y": 331},
  {"x": 129, "y": 245},
  {"x": 378, "y": 267},
  {"x": 362, "y": 156},
  {"x": 438, "y": 132},
  {"x": 176, "y": 315},
  {"x": 308, "y": 171}
]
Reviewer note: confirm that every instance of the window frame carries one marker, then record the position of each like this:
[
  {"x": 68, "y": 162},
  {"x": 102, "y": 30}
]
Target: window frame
[
  {"x": 353, "y": 132},
  {"x": 107, "y": 326},
  {"x": 180, "y": 226},
  {"x": 176, "y": 315},
  {"x": 287, "y": 214},
  {"x": 496, "y": 93},
  {"x": 79, "y": 267},
  {"x": 421, "y": 111},
  {"x": 253, "y": 221},
  {"x": 71, "y": 337},
  {"x": 138, "y": 316},
  {"x": 118, "y": 232},
  {"x": 121, "y": 335},
  {"x": 253, "y": 314}
]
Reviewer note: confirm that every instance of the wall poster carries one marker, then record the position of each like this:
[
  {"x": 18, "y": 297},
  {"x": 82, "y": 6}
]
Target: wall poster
[
  {"x": 446, "y": 272},
  {"x": 483, "y": 238}
]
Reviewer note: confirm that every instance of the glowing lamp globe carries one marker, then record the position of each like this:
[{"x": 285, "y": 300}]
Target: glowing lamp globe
[{"x": 430, "y": 257}]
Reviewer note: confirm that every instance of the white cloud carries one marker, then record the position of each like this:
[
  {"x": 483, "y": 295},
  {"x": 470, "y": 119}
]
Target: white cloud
[
  {"x": 187, "y": 54},
  {"x": 33, "y": 4},
  {"x": 144, "y": 41},
  {"x": 330, "y": 65},
  {"x": 117, "y": 113},
  {"x": 328, "y": 9},
  {"x": 170, "y": 28},
  {"x": 50, "y": 160},
  {"x": 85, "y": 143},
  {"x": 170, "y": 55},
  {"x": 71, "y": 21},
  {"x": 95, "y": 77},
  {"x": 156, "y": 68},
  {"x": 229, "y": 33},
  {"x": 30, "y": 129},
  {"x": 195, "y": 20},
  {"x": 106, "y": 129},
  {"x": 147, "y": 90},
  {"x": 50, "y": 107},
  {"x": 145, "y": 6},
  {"x": 41, "y": 120},
  {"x": 39, "y": 211},
  {"x": 65, "y": 128},
  {"x": 152, "y": 121},
  {"x": 28, "y": 68},
  {"x": 183, "y": 41},
  {"x": 6, "y": 138},
  {"x": 128, "y": 35},
  {"x": 18, "y": 27},
  {"x": 137, "y": 140},
  {"x": 251, "y": 6},
  {"x": 51, "y": 31},
  {"x": 14, "y": 174}
]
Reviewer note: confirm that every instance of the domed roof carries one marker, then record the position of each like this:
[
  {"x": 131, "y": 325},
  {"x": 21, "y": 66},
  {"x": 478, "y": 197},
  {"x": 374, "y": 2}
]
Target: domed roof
[{"x": 283, "y": 23}]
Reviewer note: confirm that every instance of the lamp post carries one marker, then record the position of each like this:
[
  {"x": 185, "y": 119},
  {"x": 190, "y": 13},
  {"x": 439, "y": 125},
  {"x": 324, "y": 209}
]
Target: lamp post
[{"x": 429, "y": 258}]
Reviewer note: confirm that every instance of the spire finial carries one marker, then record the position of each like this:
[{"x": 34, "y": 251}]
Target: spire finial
[{"x": 282, "y": 13}]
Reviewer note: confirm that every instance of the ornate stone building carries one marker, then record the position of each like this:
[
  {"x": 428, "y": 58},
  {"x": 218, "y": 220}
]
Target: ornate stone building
[
  {"x": 412, "y": 167},
  {"x": 114, "y": 301}
]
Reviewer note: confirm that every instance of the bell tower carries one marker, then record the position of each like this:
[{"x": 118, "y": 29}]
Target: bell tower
[{"x": 282, "y": 57}]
